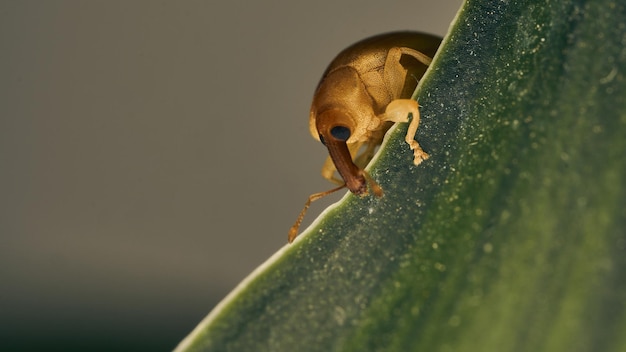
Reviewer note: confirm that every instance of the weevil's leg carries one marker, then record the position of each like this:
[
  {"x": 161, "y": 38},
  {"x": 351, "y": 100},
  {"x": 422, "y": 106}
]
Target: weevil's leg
[
  {"x": 395, "y": 53},
  {"x": 366, "y": 155},
  {"x": 421, "y": 57},
  {"x": 328, "y": 172},
  {"x": 398, "y": 111},
  {"x": 394, "y": 73}
]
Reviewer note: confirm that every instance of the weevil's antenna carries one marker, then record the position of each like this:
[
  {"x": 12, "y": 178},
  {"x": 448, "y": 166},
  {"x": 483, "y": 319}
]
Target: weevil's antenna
[{"x": 293, "y": 232}]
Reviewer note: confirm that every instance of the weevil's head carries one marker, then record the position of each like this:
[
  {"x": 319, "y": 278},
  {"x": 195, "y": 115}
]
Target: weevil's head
[
  {"x": 342, "y": 101},
  {"x": 341, "y": 114},
  {"x": 334, "y": 131}
]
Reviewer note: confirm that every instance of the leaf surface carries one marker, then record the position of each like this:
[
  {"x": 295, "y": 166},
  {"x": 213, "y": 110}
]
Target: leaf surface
[{"x": 511, "y": 237}]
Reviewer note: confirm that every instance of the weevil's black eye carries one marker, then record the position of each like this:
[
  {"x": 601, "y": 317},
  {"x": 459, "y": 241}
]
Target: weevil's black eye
[{"x": 341, "y": 133}]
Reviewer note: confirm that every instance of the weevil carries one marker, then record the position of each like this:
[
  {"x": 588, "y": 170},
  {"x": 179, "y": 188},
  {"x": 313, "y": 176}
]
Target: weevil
[{"x": 363, "y": 92}]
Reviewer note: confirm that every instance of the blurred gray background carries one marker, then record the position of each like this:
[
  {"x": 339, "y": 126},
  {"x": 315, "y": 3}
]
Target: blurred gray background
[{"x": 153, "y": 153}]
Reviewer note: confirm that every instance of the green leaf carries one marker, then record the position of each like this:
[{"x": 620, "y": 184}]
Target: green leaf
[{"x": 511, "y": 237}]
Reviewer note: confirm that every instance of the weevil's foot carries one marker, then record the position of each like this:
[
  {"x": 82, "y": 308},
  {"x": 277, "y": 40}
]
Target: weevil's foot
[
  {"x": 419, "y": 157},
  {"x": 418, "y": 154}
]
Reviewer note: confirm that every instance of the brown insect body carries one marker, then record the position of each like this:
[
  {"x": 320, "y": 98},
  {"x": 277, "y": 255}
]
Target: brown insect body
[{"x": 364, "y": 90}]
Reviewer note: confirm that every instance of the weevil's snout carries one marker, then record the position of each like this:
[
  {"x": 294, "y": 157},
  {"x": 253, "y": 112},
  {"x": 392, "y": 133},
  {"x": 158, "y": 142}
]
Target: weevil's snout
[
  {"x": 351, "y": 174},
  {"x": 335, "y": 128}
]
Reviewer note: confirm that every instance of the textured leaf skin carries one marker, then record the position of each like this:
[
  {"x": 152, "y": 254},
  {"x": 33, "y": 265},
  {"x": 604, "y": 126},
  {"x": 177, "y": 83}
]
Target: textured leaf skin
[{"x": 511, "y": 237}]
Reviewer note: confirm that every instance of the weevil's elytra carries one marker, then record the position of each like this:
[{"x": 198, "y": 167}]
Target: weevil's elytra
[{"x": 364, "y": 90}]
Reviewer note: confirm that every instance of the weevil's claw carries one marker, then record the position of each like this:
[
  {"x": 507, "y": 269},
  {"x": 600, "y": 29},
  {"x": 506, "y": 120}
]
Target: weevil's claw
[{"x": 419, "y": 155}]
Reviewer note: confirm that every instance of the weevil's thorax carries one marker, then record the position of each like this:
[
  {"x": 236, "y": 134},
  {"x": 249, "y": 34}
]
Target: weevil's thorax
[{"x": 342, "y": 95}]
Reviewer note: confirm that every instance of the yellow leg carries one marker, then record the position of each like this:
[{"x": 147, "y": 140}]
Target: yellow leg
[{"x": 398, "y": 111}]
